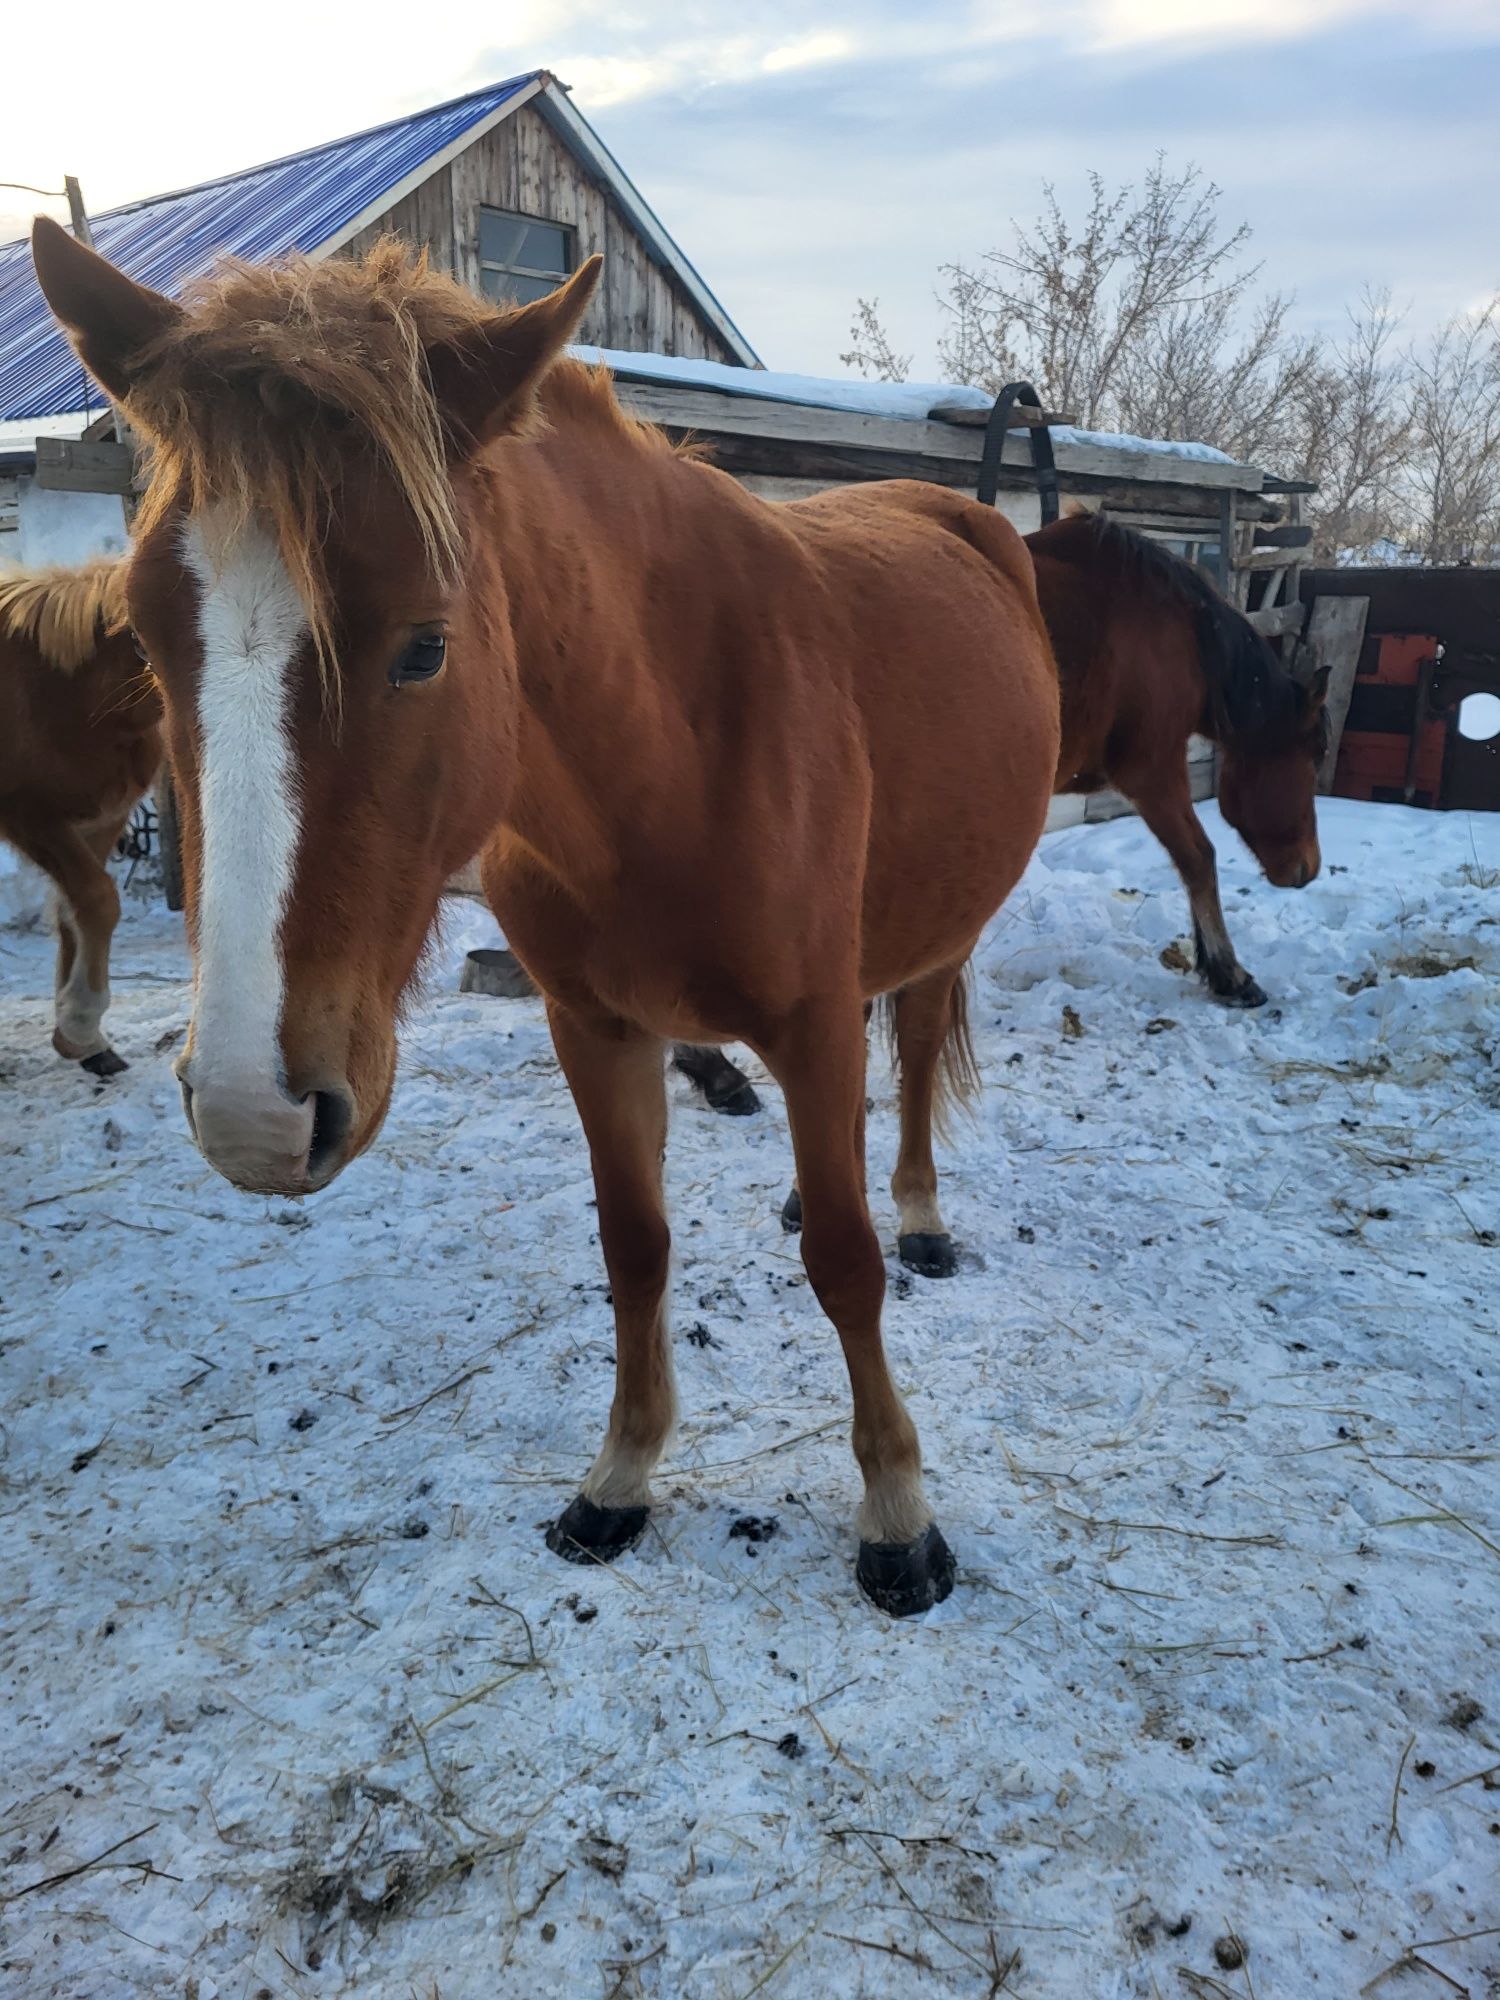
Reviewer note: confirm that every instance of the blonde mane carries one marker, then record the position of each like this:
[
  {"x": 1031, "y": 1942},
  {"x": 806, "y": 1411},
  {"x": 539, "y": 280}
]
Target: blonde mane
[
  {"x": 277, "y": 378},
  {"x": 65, "y": 612}
]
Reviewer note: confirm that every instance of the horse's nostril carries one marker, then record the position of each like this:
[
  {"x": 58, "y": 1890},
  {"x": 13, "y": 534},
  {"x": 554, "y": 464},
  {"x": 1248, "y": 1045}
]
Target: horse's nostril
[
  {"x": 333, "y": 1119},
  {"x": 187, "y": 1103}
]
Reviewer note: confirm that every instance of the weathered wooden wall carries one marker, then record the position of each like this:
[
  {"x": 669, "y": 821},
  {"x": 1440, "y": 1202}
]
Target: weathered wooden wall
[{"x": 522, "y": 166}]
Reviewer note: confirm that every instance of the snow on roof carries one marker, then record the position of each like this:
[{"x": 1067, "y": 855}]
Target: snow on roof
[{"x": 913, "y": 401}]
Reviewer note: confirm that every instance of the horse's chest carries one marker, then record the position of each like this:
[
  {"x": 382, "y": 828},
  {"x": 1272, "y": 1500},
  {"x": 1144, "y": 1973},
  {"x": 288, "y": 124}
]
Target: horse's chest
[{"x": 640, "y": 959}]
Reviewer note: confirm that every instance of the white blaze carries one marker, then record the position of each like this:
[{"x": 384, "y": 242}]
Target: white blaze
[{"x": 250, "y": 623}]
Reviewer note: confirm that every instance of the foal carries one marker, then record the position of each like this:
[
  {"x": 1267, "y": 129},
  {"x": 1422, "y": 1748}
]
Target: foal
[
  {"x": 80, "y": 741},
  {"x": 416, "y": 589}
]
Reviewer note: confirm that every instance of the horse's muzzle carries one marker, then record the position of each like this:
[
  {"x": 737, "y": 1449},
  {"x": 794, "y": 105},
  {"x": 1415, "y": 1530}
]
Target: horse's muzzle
[{"x": 265, "y": 1140}]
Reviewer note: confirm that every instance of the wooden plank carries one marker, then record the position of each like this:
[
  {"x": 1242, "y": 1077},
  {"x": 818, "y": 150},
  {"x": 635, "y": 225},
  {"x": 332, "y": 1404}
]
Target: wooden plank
[
  {"x": 1336, "y": 632},
  {"x": 72, "y": 465},
  {"x": 1261, "y": 559},
  {"x": 1022, "y": 417},
  {"x": 836, "y": 465},
  {"x": 678, "y": 406},
  {"x": 1277, "y": 621},
  {"x": 439, "y": 160}
]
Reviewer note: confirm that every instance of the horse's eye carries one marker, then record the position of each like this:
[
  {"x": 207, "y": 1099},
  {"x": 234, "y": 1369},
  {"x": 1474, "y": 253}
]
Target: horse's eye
[
  {"x": 140, "y": 651},
  {"x": 420, "y": 660}
]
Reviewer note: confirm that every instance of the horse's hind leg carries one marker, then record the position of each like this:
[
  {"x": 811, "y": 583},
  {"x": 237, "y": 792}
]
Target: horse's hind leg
[
  {"x": 1172, "y": 819},
  {"x": 618, "y": 1079},
  {"x": 88, "y": 909},
  {"x": 904, "y": 1564},
  {"x": 923, "y": 1021},
  {"x": 724, "y": 1087}
]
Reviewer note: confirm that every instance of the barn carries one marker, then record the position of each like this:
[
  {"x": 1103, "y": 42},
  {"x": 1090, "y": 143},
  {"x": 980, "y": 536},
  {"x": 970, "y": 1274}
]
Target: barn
[{"x": 509, "y": 187}]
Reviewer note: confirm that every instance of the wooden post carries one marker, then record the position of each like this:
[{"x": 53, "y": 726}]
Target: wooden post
[{"x": 83, "y": 230}]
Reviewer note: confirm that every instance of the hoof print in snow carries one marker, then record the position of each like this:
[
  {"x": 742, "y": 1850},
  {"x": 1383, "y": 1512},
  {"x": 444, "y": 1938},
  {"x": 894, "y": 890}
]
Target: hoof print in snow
[{"x": 584, "y": 1533}]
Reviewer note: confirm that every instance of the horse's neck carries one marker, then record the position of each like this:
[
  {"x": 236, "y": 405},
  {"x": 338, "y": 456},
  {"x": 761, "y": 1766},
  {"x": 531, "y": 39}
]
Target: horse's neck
[{"x": 578, "y": 536}]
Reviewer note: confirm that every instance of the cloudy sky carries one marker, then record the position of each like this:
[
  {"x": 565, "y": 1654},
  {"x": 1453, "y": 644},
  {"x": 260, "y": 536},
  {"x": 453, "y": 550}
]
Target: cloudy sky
[{"x": 804, "y": 152}]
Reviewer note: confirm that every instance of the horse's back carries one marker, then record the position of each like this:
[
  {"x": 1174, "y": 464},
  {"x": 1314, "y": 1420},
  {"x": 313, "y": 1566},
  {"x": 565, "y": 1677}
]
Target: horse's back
[{"x": 952, "y": 671}]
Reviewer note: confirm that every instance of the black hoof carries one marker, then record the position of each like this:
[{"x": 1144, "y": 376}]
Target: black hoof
[
  {"x": 1230, "y": 985},
  {"x": 738, "y": 1102},
  {"x": 584, "y": 1533},
  {"x": 106, "y": 1063},
  {"x": 906, "y": 1578},
  {"x": 1246, "y": 994},
  {"x": 930, "y": 1256},
  {"x": 791, "y": 1213}
]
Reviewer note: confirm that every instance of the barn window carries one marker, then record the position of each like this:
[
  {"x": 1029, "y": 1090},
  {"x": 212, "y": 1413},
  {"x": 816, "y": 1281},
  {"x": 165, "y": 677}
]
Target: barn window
[{"x": 521, "y": 257}]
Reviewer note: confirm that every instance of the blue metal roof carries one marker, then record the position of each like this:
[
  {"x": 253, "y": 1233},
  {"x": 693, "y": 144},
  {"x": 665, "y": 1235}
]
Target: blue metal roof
[{"x": 298, "y": 203}]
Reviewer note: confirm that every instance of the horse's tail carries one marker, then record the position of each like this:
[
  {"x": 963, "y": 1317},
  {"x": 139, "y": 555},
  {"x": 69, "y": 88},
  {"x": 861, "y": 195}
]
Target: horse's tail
[{"x": 958, "y": 1079}]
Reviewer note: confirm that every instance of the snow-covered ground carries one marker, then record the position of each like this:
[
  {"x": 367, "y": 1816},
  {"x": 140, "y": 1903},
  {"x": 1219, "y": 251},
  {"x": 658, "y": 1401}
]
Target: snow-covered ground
[{"x": 298, "y": 1703}]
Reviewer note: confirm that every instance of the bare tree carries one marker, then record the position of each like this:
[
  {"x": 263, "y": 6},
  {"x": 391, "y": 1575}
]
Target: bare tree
[
  {"x": 1454, "y": 477},
  {"x": 1354, "y": 433},
  {"x": 1144, "y": 317},
  {"x": 871, "y": 352},
  {"x": 1069, "y": 307}
]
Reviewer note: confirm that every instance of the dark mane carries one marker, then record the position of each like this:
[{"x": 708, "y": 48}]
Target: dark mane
[{"x": 1252, "y": 699}]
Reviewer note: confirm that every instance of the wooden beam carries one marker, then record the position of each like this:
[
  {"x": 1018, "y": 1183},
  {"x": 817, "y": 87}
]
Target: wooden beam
[
  {"x": 841, "y": 465},
  {"x": 1263, "y": 558},
  {"x": 1336, "y": 632},
  {"x": 1022, "y": 416},
  {"x": 677, "y": 406},
  {"x": 75, "y": 465}
]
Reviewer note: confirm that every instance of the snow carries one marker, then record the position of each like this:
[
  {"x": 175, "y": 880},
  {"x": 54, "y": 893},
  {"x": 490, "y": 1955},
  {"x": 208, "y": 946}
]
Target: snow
[
  {"x": 23, "y": 891},
  {"x": 1209, "y": 1416},
  {"x": 911, "y": 401}
]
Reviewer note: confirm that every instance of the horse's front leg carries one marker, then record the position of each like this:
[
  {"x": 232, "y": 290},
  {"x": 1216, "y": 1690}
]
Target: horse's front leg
[
  {"x": 617, "y": 1077},
  {"x": 1180, "y": 832},
  {"x": 819, "y": 1060},
  {"x": 87, "y": 906}
]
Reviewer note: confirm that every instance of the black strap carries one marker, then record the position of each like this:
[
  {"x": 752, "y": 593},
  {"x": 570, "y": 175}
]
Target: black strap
[{"x": 1042, "y": 462}]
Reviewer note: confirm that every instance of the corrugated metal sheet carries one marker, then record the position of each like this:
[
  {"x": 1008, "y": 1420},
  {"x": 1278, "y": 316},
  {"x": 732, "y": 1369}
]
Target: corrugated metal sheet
[{"x": 298, "y": 203}]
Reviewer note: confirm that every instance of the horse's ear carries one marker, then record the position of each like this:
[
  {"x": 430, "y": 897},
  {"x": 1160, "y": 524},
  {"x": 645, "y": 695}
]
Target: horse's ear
[
  {"x": 108, "y": 317},
  {"x": 485, "y": 380}
]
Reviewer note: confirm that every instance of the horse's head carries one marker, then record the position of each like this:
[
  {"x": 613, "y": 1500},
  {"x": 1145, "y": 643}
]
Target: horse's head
[
  {"x": 1268, "y": 784},
  {"x": 331, "y": 642}
]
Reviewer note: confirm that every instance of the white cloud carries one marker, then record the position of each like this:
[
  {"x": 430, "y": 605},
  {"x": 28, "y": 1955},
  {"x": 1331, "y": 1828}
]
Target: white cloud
[{"x": 808, "y": 53}]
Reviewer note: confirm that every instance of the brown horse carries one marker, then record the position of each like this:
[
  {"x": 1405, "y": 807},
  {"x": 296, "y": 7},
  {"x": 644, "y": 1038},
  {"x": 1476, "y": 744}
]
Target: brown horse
[
  {"x": 416, "y": 589},
  {"x": 80, "y": 741},
  {"x": 1148, "y": 655}
]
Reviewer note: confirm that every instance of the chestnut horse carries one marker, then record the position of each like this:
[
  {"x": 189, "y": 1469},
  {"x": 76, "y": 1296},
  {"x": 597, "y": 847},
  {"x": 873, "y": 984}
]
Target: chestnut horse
[
  {"x": 416, "y": 589},
  {"x": 1148, "y": 655},
  {"x": 80, "y": 741}
]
